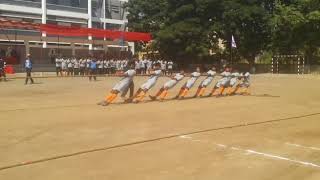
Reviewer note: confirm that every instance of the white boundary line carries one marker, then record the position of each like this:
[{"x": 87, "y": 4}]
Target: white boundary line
[
  {"x": 267, "y": 155},
  {"x": 301, "y": 146}
]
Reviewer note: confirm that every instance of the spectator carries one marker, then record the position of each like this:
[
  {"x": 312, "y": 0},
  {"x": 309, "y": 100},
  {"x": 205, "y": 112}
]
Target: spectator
[
  {"x": 93, "y": 70},
  {"x": 28, "y": 67},
  {"x": 170, "y": 68},
  {"x": 82, "y": 66},
  {"x": 76, "y": 67},
  {"x": 64, "y": 66},
  {"x": 70, "y": 67},
  {"x": 137, "y": 67},
  {"x": 58, "y": 66}
]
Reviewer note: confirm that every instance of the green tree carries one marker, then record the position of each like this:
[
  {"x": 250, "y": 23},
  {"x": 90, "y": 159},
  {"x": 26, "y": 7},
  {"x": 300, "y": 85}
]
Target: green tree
[
  {"x": 296, "y": 28},
  {"x": 248, "y": 21},
  {"x": 188, "y": 29}
]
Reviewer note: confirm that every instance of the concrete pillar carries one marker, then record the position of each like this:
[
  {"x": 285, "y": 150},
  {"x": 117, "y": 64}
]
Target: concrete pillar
[
  {"x": 131, "y": 45},
  {"x": 90, "y": 21},
  {"x": 105, "y": 48},
  {"x": 73, "y": 49},
  {"x": 26, "y": 44},
  {"x": 104, "y": 15},
  {"x": 44, "y": 19}
]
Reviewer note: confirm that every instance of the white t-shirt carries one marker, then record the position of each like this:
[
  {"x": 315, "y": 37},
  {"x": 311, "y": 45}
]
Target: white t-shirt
[
  {"x": 170, "y": 65},
  {"x": 178, "y": 77},
  {"x": 211, "y": 73},
  {"x": 76, "y": 64},
  {"x": 156, "y": 74},
  {"x": 58, "y": 62}
]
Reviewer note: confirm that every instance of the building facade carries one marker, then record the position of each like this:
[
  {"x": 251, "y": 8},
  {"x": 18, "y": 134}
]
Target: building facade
[{"x": 101, "y": 14}]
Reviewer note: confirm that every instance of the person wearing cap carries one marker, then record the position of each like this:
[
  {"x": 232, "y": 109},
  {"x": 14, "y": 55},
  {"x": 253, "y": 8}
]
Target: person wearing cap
[{"x": 28, "y": 68}]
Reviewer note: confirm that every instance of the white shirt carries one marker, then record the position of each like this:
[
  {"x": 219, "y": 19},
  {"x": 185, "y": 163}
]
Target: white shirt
[
  {"x": 178, "y": 77},
  {"x": 194, "y": 77},
  {"x": 58, "y": 62},
  {"x": 128, "y": 75},
  {"x": 137, "y": 66},
  {"x": 76, "y": 64},
  {"x": 100, "y": 65},
  {"x": 225, "y": 74},
  {"x": 211, "y": 73},
  {"x": 170, "y": 65},
  {"x": 155, "y": 75},
  {"x": 164, "y": 65}
]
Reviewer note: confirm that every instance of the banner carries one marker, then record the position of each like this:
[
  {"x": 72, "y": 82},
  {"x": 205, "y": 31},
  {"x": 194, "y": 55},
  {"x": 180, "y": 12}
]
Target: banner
[
  {"x": 75, "y": 31},
  {"x": 100, "y": 33}
]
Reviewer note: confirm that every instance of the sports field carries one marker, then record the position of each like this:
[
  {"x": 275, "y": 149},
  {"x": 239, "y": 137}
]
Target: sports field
[{"x": 54, "y": 130}]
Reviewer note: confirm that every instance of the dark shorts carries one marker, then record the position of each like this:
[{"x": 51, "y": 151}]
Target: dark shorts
[{"x": 28, "y": 71}]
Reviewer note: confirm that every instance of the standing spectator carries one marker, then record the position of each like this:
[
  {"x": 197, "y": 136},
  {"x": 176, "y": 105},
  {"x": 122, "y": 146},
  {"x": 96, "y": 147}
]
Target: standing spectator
[
  {"x": 58, "y": 66},
  {"x": 118, "y": 65},
  {"x": 149, "y": 66},
  {"x": 112, "y": 66},
  {"x": 88, "y": 62},
  {"x": 28, "y": 67},
  {"x": 170, "y": 68},
  {"x": 64, "y": 66},
  {"x": 100, "y": 66},
  {"x": 141, "y": 66},
  {"x": 145, "y": 62},
  {"x": 123, "y": 65},
  {"x": 137, "y": 67},
  {"x": 93, "y": 70},
  {"x": 2, "y": 70},
  {"x": 76, "y": 66},
  {"x": 105, "y": 67},
  {"x": 82, "y": 66},
  {"x": 70, "y": 67},
  {"x": 164, "y": 67}
]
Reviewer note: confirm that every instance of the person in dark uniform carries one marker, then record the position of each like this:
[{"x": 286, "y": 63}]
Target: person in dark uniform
[
  {"x": 2, "y": 70},
  {"x": 28, "y": 67}
]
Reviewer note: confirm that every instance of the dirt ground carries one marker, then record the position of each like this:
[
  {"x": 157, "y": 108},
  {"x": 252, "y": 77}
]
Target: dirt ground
[{"x": 54, "y": 130}]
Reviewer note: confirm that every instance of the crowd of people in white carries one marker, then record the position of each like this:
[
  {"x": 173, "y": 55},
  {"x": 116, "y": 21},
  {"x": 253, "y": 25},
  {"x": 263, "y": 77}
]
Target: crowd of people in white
[{"x": 85, "y": 66}]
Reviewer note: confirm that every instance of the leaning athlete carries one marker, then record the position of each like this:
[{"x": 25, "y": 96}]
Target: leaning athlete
[
  {"x": 189, "y": 84},
  {"x": 122, "y": 87},
  {"x": 233, "y": 84},
  {"x": 243, "y": 87},
  {"x": 163, "y": 92},
  {"x": 142, "y": 91},
  {"x": 222, "y": 83},
  {"x": 206, "y": 82}
]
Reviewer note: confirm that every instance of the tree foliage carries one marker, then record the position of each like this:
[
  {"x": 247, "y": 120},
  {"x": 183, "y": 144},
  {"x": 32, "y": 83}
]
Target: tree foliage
[{"x": 190, "y": 28}]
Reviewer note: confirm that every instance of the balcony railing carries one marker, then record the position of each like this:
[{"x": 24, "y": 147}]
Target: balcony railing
[{"x": 49, "y": 6}]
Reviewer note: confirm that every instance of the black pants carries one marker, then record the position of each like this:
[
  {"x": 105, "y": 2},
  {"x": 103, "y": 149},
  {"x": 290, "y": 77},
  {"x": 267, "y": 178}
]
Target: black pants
[
  {"x": 82, "y": 69},
  {"x": 2, "y": 74},
  {"x": 28, "y": 72},
  {"x": 76, "y": 71},
  {"x": 70, "y": 71},
  {"x": 100, "y": 71},
  {"x": 93, "y": 74},
  {"x": 108, "y": 71},
  {"x": 58, "y": 70}
]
